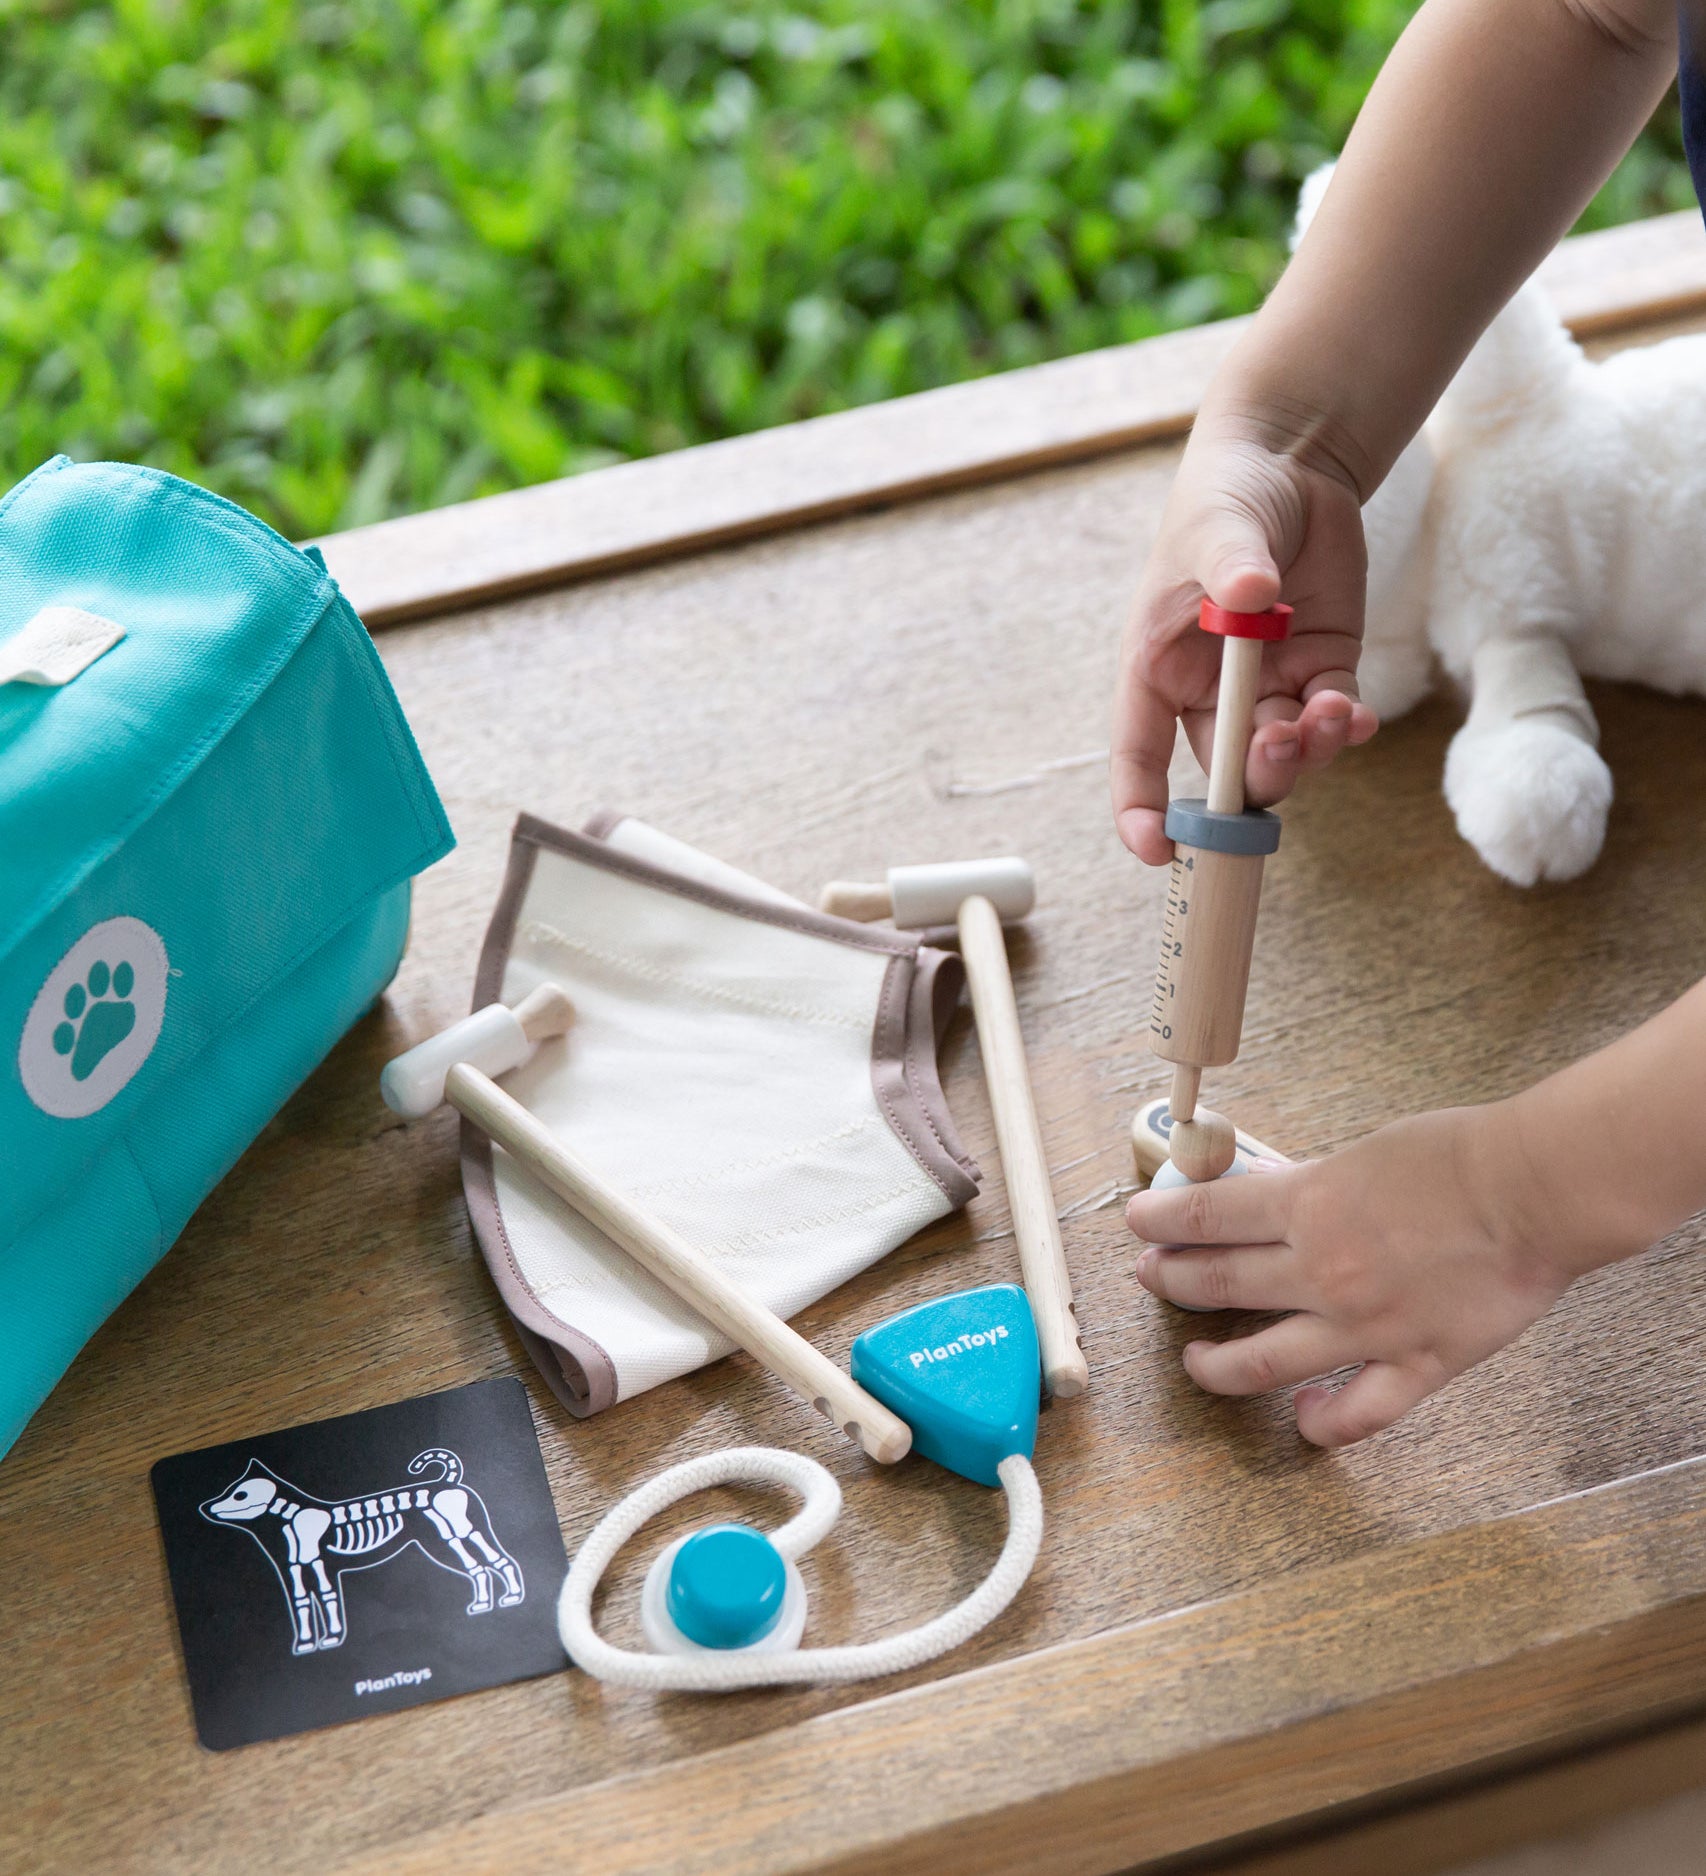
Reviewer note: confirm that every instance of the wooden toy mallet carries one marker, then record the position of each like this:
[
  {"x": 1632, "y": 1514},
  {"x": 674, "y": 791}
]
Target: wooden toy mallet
[
  {"x": 1213, "y": 896},
  {"x": 975, "y": 896},
  {"x": 457, "y": 1066}
]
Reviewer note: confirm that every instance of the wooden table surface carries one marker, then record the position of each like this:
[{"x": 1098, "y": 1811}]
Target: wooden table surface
[{"x": 927, "y": 682}]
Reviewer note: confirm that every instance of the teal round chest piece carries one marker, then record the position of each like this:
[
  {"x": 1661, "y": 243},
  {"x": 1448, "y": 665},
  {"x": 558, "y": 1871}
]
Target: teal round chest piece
[{"x": 726, "y": 1586}]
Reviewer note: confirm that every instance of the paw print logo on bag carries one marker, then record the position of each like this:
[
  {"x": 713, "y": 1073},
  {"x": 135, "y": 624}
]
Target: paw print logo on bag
[
  {"x": 95, "y": 1020},
  {"x": 96, "y": 1023}
]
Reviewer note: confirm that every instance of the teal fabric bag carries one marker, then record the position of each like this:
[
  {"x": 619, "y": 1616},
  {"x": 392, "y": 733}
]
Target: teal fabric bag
[{"x": 210, "y": 811}]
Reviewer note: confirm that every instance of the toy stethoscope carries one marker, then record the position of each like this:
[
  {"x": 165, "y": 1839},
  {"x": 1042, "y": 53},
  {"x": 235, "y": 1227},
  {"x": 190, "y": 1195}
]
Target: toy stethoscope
[{"x": 725, "y": 1608}]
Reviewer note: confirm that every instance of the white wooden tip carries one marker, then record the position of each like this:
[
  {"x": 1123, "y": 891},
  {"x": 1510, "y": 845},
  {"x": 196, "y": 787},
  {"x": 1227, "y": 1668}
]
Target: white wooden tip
[
  {"x": 1204, "y": 1147},
  {"x": 544, "y": 1013},
  {"x": 492, "y": 1040},
  {"x": 884, "y": 1437},
  {"x": 932, "y": 895},
  {"x": 1070, "y": 1373},
  {"x": 848, "y": 898}
]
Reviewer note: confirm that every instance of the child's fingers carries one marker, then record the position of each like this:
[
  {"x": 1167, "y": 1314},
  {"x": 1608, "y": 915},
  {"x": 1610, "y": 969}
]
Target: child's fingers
[
  {"x": 1225, "y": 550},
  {"x": 1143, "y": 831},
  {"x": 1363, "y": 721},
  {"x": 1291, "y": 1351},
  {"x": 1368, "y": 1403},
  {"x": 1275, "y": 760},
  {"x": 1222, "y": 1211},
  {"x": 1317, "y": 657},
  {"x": 1273, "y": 764},
  {"x": 1329, "y": 723},
  {"x": 1240, "y": 573},
  {"x": 1282, "y": 750},
  {"x": 1260, "y": 1276},
  {"x": 1145, "y": 726}
]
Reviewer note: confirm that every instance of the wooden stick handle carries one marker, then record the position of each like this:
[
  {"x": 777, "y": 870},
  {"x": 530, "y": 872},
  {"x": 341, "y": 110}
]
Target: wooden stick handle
[
  {"x": 1234, "y": 713},
  {"x": 680, "y": 1268},
  {"x": 1187, "y": 1083},
  {"x": 1042, "y": 1257}
]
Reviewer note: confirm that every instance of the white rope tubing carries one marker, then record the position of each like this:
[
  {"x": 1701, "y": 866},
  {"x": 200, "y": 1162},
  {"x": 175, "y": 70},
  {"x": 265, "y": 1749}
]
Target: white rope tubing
[{"x": 718, "y": 1671}]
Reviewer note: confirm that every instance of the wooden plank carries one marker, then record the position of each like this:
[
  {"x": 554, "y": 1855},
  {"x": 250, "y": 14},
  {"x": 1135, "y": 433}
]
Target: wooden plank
[
  {"x": 1641, "y": 274},
  {"x": 911, "y": 685},
  {"x": 1561, "y": 1798},
  {"x": 963, "y": 434},
  {"x": 1113, "y": 1752}
]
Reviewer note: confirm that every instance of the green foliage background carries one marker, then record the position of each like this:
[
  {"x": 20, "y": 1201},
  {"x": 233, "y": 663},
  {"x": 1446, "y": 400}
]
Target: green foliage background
[{"x": 347, "y": 258}]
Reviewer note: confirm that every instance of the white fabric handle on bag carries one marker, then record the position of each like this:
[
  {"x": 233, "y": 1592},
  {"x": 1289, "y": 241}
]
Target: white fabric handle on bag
[
  {"x": 720, "y": 1672},
  {"x": 58, "y": 644}
]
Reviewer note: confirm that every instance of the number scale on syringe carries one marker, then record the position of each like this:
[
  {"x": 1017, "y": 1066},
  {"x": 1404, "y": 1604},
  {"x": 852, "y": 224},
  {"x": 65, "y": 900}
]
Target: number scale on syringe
[
  {"x": 1208, "y": 931},
  {"x": 1173, "y": 939}
]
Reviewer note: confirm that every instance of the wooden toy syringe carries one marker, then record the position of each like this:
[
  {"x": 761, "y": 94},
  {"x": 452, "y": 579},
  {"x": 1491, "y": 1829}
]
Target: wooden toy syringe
[{"x": 1212, "y": 899}]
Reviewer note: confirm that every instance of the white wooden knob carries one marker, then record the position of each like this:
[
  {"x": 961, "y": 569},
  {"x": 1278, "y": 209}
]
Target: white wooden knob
[
  {"x": 932, "y": 895},
  {"x": 493, "y": 1040}
]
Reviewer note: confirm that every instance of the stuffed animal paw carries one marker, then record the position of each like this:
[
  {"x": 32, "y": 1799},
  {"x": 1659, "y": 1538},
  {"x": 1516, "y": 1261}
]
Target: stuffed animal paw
[{"x": 1530, "y": 797}]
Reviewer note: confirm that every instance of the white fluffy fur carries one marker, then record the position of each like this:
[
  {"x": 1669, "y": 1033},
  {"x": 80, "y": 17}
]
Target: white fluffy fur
[{"x": 1550, "y": 520}]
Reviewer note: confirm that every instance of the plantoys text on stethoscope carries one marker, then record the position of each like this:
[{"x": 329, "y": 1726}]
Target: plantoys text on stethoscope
[{"x": 958, "y": 1378}]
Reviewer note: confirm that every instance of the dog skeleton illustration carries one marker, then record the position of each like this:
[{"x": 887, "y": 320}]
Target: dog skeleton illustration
[{"x": 310, "y": 1542}]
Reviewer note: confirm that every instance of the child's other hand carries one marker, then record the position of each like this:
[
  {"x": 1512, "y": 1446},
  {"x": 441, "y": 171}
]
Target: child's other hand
[
  {"x": 1416, "y": 1252},
  {"x": 1247, "y": 505}
]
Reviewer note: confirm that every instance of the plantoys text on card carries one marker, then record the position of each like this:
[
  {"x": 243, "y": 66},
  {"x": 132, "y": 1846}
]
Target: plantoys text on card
[{"x": 364, "y": 1563}]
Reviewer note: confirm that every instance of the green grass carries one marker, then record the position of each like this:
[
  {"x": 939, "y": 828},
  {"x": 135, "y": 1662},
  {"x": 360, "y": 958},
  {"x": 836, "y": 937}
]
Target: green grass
[{"x": 348, "y": 258}]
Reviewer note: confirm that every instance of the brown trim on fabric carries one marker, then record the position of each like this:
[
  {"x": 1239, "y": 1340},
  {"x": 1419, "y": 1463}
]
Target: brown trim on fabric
[
  {"x": 935, "y": 997},
  {"x": 900, "y": 1046},
  {"x": 529, "y": 827},
  {"x": 602, "y": 823},
  {"x": 576, "y": 1368}
]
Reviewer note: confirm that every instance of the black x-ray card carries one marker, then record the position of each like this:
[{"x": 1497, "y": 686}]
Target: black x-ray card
[{"x": 363, "y": 1564}]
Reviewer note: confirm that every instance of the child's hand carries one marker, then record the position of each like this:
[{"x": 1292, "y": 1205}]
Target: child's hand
[
  {"x": 1246, "y": 505},
  {"x": 1416, "y": 1252}
]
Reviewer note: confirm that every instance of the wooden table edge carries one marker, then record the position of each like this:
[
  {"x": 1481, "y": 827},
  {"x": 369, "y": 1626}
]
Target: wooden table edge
[
  {"x": 1308, "y": 1692},
  {"x": 1069, "y": 410}
]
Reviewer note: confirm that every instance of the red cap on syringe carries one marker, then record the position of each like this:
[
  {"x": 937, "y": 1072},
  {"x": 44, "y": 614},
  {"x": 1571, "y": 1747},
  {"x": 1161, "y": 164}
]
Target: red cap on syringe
[{"x": 1275, "y": 623}]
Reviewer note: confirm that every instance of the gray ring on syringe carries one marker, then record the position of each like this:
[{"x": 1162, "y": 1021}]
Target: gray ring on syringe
[{"x": 1194, "y": 824}]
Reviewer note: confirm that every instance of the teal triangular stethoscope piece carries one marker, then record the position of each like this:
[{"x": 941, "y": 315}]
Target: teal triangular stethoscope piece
[{"x": 964, "y": 1372}]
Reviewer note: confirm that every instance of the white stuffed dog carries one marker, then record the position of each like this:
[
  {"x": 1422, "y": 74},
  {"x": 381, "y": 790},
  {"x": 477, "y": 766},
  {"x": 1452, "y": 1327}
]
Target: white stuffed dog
[{"x": 1549, "y": 521}]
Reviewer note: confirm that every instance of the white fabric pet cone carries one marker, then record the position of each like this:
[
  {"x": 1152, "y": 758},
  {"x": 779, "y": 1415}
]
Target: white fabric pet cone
[{"x": 759, "y": 1075}]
